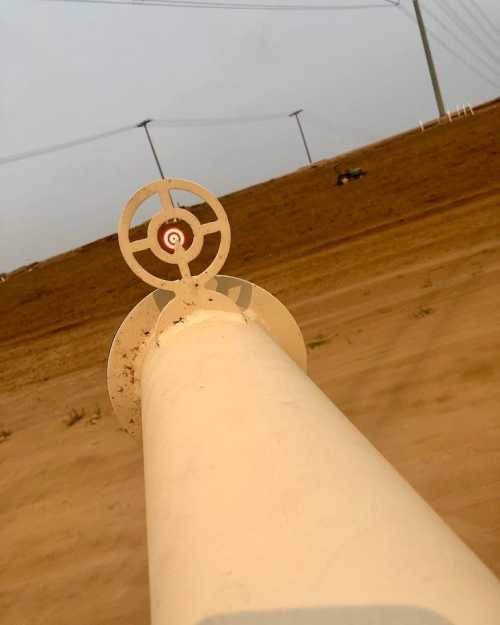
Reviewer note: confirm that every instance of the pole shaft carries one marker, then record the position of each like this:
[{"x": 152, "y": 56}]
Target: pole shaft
[
  {"x": 430, "y": 60},
  {"x": 145, "y": 126},
  {"x": 262, "y": 496},
  {"x": 296, "y": 115}
]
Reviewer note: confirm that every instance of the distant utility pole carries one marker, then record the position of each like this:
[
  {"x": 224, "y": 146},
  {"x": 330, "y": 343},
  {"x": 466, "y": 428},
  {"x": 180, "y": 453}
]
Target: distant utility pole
[
  {"x": 296, "y": 115},
  {"x": 430, "y": 61},
  {"x": 144, "y": 125}
]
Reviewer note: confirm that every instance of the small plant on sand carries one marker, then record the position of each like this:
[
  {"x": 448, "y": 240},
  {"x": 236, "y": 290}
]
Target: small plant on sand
[
  {"x": 318, "y": 341},
  {"x": 95, "y": 417},
  {"x": 4, "y": 434},
  {"x": 423, "y": 312},
  {"x": 74, "y": 416}
]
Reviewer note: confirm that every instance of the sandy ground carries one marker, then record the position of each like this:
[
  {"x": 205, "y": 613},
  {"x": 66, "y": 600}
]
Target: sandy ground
[{"x": 394, "y": 281}]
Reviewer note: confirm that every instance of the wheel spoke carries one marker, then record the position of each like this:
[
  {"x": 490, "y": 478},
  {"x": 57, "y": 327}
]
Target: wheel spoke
[
  {"x": 182, "y": 262},
  {"x": 210, "y": 227},
  {"x": 139, "y": 245},
  {"x": 167, "y": 204}
]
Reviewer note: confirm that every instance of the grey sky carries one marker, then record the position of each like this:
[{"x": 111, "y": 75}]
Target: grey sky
[{"x": 69, "y": 70}]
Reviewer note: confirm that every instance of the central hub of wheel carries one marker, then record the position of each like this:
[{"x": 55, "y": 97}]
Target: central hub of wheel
[{"x": 173, "y": 233}]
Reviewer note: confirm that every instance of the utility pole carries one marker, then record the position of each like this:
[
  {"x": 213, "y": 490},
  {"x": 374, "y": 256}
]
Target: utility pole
[
  {"x": 296, "y": 115},
  {"x": 144, "y": 125},
  {"x": 430, "y": 61},
  {"x": 264, "y": 504}
]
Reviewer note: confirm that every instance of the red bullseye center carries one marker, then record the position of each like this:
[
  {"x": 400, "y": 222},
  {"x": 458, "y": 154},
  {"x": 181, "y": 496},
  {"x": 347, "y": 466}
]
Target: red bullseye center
[{"x": 173, "y": 235}]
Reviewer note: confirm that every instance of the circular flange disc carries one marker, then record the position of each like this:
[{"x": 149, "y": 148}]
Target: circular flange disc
[{"x": 133, "y": 336}]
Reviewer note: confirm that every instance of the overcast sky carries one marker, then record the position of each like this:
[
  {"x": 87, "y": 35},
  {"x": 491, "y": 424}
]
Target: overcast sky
[{"x": 69, "y": 70}]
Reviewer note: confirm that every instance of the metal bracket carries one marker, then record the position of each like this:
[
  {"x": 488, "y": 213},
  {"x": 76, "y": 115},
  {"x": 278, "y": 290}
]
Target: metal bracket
[{"x": 137, "y": 333}]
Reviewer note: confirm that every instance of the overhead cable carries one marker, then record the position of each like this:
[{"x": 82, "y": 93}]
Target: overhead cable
[
  {"x": 171, "y": 122},
  {"x": 216, "y": 121},
  {"x": 466, "y": 47},
  {"x": 242, "y": 6},
  {"x": 453, "y": 52},
  {"x": 63, "y": 146},
  {"x": 490, "y": 23},
  {"x": 468, "y": 30}
]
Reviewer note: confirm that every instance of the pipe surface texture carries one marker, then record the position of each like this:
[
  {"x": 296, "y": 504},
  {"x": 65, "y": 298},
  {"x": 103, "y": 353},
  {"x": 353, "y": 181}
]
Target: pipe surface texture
[{"x": 265, "y": 506}]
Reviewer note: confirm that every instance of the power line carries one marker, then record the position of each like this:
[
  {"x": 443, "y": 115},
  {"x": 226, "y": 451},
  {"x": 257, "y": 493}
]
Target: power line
[
  {"x": 478, "y": 23},
  {"x": 216, "y": 121},
  {"x": 63, "y": 146},
  {"x": 211, "y": 4},
  {"x": 483, "y": 14},
  {"x": 453, "y": 52},
  {"x": 470, "y": 50},
  {"x": 454, "y": 15},
  {"x": 172, "y": 122}
]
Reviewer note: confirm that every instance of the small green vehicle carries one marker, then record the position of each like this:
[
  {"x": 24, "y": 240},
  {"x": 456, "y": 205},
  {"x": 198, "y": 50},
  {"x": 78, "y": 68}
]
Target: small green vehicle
[{"x": 353, "y": 173}]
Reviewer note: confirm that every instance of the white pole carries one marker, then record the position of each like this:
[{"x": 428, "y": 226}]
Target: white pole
[{"x": 262, "y": 496}]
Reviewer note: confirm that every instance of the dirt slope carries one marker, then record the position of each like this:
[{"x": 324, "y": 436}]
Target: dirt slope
[{"x": 394, "y": 281}]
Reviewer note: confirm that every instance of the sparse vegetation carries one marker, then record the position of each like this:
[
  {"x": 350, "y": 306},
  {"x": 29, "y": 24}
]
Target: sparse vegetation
[
  {"x": 423, "y": 312},
  {"x": 4, "y": 435},
  {"x": 95, "y": 417},
  {"x": 74, "y": 417},
  {"x": 318, "y": 341}
]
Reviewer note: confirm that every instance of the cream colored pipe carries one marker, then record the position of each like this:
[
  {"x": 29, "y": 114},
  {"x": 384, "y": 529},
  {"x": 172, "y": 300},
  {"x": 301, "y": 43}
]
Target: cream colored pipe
[{"x": 266, "y": 506}]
